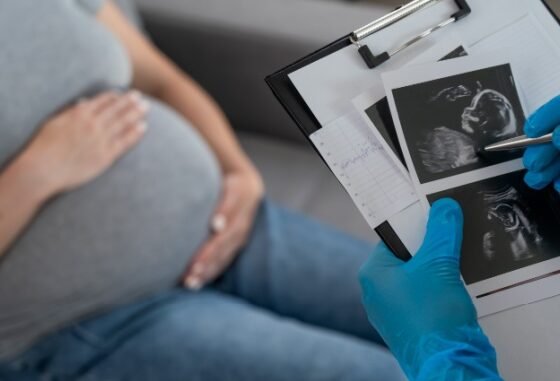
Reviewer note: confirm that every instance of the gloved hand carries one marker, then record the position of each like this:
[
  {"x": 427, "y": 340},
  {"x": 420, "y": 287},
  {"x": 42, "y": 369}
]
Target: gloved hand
[
  {"x": 422, "y": 308},
  {"x": 543, "y": 161}
]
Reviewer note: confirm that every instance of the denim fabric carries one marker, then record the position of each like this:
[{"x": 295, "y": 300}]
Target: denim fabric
[{"x": 288, "y": 310}]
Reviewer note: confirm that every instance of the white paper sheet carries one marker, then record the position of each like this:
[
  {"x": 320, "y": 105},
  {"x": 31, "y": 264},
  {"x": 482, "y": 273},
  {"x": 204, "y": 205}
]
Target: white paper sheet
[
  {"x": 528, "y": 37},
  {"x": 362, "y": 166},
  {"x": 374, "y": 95},
  {"x": 410, "y": 221},
  {"x": 514, "y": 285},
  {"x": 330, "y": 84},
  {"x": 429, "y": 72}
]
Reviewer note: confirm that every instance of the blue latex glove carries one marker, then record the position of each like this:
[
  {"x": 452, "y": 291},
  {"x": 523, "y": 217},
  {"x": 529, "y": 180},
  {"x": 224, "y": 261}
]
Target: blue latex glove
[
  {"x": 422, "y": 308},
  {"x": 543, "y": 161}
]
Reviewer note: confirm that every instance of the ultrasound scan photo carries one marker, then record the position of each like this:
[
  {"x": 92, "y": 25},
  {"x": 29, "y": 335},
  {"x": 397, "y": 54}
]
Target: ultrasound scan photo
[
  {"x": 447, "y": 121},
  {"x": 509, "y": 214},
  {"x": 507, "y": 226},
  {"x": 380, "y": 113}
]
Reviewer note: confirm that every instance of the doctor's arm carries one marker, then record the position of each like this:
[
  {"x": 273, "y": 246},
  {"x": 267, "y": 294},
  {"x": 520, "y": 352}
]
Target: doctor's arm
[{"x": 422, "y": 309}]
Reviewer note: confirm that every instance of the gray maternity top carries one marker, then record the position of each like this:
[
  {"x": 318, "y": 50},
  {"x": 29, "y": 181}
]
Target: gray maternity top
[{"x": 127, "y": 234}]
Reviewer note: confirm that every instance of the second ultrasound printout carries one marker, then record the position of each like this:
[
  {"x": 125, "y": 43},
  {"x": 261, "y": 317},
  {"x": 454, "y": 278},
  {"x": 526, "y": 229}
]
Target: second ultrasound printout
[{"x": 444, "y": 114}]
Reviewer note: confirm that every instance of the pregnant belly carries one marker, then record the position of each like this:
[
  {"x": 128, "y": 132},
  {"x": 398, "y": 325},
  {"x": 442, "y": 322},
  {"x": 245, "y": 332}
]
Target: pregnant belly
[{"x": 130, "y": 232}]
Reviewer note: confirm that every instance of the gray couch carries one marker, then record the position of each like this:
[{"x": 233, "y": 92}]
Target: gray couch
[{"x": 229, "y": 46}]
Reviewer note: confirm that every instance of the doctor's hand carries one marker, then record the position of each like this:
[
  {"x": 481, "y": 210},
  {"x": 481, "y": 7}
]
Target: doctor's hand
[
  {"x": 543, "y": 161},
  {"x": 422, "y": 308},
  {"x": 233, "y": 220}
]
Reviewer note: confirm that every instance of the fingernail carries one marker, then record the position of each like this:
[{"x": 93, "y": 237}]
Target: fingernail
[
  {"x": 142, "y": 126},
  {"x": 529, "y": 162},
  {"x": 144, "y": 105},
  {"x": 136, "y": 95},
  {"x": 219, "y": 223},
  {"x": 193, "y": 283}
]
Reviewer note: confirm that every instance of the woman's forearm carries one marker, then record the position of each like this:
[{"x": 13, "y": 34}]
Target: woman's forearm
[
  {"x": 68, "y": 151},
  {"x": 22, "y": 192},
  {"x": 194, "y": 103},
  {"x": 156, "y": 75}
]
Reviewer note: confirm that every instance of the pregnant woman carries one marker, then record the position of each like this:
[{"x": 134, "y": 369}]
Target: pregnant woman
[{"x": 134, "y": 240}]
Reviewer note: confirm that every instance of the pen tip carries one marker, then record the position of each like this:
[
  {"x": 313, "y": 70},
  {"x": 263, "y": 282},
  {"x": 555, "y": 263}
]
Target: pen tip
[
  {"x": 490, "y": 148},
  {"x": 484, "y": 151}
]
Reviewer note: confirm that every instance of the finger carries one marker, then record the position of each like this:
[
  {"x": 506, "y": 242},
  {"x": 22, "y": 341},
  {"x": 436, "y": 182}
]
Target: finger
[
  {"x": 220, "y": 224},
  {"x": 539, "y": 157},
  {"x": 128, "y": 138},
  {"x": 372, "y": 275},
  {"x": 208, "y": 263},
  {"x": 241, "y": 228},
  {"x": 444, "y": 233},
  {"x": 229, "y": 200},
  {"x": 102, "y": 101},
  {"x": 193, "y": 277},
  {"x": 541, "y": 179},
  {"x": 556, "y": 138},
  {"x": 224, "y": 258},
  {"x": 381, "y": 258},
  {"x": 225, "y": 211},
  {"x": 121, "y": 106},
  {"x": 132, "y": 116},
  {"x": 219, "y": 253},
  {"x": 544, "y": 120}
]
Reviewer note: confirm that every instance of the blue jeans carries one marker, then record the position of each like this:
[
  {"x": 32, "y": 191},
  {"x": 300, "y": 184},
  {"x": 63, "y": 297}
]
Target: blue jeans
[{"x": 288, "y": 310}]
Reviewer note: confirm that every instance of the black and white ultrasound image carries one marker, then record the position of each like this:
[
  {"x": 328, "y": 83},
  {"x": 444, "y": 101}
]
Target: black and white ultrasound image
[
  {"x": 447, "y": 121},
  {"x": 507, "y": 226},
  {"x": 380, "y": 113}
]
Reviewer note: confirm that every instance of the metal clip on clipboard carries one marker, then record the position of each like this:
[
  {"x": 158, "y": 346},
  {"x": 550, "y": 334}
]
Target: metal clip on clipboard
[{"x": 374, "y": 61}]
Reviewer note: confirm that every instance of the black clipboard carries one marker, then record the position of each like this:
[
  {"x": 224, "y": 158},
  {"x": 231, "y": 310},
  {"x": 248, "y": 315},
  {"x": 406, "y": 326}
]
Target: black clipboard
[{"x": 289, "y": 97}]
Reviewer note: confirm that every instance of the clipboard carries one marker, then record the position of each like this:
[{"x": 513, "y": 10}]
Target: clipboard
[{"x": 294, "y": 104}]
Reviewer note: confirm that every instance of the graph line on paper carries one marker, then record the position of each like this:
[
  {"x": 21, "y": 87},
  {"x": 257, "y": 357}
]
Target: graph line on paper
[{"x": 358, "y": 160}]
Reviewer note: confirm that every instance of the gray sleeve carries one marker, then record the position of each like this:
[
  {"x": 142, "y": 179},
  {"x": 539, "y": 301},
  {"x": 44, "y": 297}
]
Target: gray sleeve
[{"x": 91, "y": 5}]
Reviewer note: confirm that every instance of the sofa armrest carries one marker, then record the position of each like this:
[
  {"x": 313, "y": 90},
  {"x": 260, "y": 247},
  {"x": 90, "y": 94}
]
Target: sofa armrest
[{"x": 230, "y": 46}]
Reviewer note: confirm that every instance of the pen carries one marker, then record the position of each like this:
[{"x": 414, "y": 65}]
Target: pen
[{"x": 518, "y": 142}]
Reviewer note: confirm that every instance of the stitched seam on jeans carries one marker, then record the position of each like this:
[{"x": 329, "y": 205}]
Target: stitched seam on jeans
[{"x": 86, "y": 336}]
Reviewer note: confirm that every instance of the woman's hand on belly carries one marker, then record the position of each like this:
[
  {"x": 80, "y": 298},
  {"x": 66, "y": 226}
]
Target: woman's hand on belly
[
  {"x": 233, "y": 220},
  {"x": 83, "y": 141}
]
